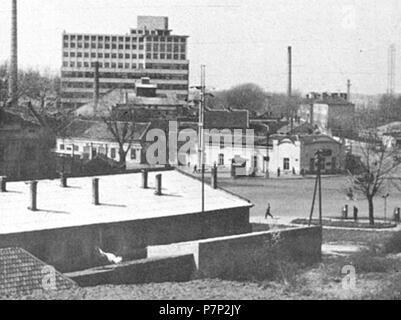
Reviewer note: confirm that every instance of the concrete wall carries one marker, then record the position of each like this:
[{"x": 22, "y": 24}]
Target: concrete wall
[
  {"x": 228, "y": 257},
  {"x": 72, "y": 249},
  {"x": 171, "y": 269}
]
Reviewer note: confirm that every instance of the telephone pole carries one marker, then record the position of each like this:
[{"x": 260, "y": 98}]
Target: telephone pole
[
  {"x": 13, "y": 69},
  {"x": 201, "y": 132}
]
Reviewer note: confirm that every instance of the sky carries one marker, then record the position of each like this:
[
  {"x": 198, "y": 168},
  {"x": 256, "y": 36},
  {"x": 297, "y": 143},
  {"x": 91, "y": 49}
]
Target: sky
[{"x": 238, "y": 41}]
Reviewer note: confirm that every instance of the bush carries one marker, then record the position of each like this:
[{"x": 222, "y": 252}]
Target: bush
[
  {"x": 393, "y": 245},
  {"x": 368, "y": 261}
]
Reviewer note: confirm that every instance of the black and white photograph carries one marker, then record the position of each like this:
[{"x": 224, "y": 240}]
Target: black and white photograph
[{"x": 218, "y": 151}]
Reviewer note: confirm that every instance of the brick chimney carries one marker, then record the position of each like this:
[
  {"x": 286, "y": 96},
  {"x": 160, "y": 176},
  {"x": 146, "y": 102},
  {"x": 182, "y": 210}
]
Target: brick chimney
[{"x": 13, "y": 68}]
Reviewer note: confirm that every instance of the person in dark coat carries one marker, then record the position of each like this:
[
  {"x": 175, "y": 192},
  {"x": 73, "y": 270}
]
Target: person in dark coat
[
  {"x": 268, "y": 213},
  {"x": 355, "y": 213}
]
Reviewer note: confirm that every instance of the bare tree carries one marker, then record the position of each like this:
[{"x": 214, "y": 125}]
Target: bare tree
[
  {"x": 123, "y": 133},
  {"x": 378, "y": 164},
  {"x": 38, "y": 87}
]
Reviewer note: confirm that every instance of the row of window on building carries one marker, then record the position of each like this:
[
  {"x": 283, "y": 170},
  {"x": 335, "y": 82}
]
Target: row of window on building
[
  {"x": 133, "y": 154},
  {"x": 127, "y": 56},
  {"x": 124, "y": 75},
  {"x": 76, "y": 38},
  {"x": 156, "y": 47}
]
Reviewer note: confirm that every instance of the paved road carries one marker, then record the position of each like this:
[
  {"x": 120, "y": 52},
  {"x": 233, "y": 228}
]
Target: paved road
[{"x": 293, "y": 197}]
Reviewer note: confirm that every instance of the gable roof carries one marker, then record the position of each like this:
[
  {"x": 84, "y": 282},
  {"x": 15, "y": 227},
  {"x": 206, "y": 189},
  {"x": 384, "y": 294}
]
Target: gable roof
[
  {"x": 22, "y": 274},
  {"x": 97, "y": 130}
]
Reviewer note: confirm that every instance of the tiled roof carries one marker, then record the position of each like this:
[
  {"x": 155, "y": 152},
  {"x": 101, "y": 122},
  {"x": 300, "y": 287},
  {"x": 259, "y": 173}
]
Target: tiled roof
[
  {"x": 22, "y": 274},
  {"x": 97, "y": 130}
]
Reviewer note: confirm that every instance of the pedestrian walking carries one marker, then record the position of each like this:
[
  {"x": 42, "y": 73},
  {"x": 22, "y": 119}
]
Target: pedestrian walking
[
  {"x": 195, "y": 169},
  {"x": 268, "y": 213}
]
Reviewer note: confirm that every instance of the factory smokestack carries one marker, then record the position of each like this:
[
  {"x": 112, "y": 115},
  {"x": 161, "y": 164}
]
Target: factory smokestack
[
  {"x": 349, "y": 90},
  {"x": 96, "y": 88},
  {"x": 289, "y": 93},
  {"x": 13, "y": 71}
]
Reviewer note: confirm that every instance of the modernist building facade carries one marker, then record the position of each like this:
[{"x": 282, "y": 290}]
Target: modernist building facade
[{"x": 150, "y": 50}]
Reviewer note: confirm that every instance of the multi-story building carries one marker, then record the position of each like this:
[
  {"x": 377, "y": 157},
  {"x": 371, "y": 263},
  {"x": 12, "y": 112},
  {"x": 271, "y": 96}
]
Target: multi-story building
[{"x": 150, "y": 50}]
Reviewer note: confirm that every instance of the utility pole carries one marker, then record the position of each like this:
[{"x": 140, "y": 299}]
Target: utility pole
[
  {"x": 348, "y": 90},
  {"x": 13, "y": 69},
  {"x": 318, "y": 188},
  {"x": 201, "y": 131}
]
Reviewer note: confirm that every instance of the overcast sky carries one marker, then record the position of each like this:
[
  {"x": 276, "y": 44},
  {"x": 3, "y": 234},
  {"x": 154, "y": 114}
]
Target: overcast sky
[{"x": 238, "y": 41}]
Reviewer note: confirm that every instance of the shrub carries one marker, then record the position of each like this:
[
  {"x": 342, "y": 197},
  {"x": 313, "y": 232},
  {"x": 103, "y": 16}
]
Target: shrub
[
  {"x": 393, "y": 245},
  {"x": 368, "y": 261}
]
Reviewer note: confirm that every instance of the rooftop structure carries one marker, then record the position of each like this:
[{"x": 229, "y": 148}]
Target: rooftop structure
[
  {"x": 121, "y": 196},
  {"x": 124, "y": 218}
]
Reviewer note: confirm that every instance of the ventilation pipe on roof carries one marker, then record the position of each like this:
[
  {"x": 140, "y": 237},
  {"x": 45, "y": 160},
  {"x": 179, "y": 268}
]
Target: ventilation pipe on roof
[
  {"x": 95, "y": 192},
  {"x": 63, "y": 180},
  {"x": 158, "y": 191},
  {"x": 144, "y": 179},
  {"x": 33, "y": 192},
  {"x": 3, "y": 182}
]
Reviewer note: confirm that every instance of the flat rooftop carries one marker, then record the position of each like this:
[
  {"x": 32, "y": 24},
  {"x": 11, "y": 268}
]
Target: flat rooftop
[{"x": 121, "y": 198}]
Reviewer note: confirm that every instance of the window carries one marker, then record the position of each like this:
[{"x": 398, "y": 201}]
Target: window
[
  {"x": 221, "y": 159},
  {"x": 133, "y": 154},
  {"x": 62, "y": 147},
  {"x": 286, "y": 164},
  {"x": 76, "y": 148},
  {"x": 113, "y": 153}
]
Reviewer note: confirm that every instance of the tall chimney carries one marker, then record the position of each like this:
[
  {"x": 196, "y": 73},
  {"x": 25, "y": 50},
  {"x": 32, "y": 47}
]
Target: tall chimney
[
  {"x": 289, "y": 92},
  {"x": 96, "y": 88},
  {"x": 13, "y": 71},
  {"x": 349, "y": 90}
]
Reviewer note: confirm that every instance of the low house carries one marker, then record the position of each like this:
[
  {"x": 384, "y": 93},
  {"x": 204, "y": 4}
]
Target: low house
[
  {"x": 293, "y": 155},
  {"x": 229, "y": 141},
  {"x": 86, "y": 139}
]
